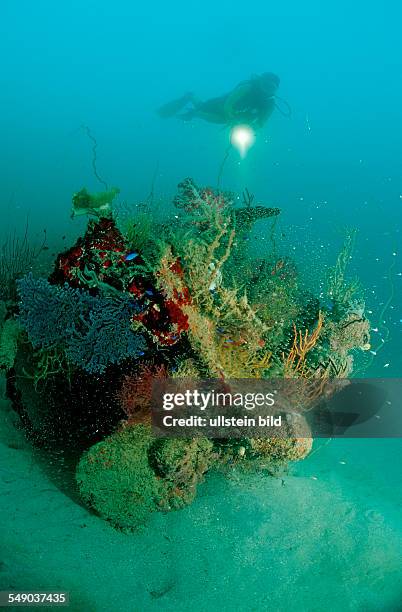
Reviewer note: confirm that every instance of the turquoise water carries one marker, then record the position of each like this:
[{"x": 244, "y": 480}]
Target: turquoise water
[{"x": 326, "y": 535}]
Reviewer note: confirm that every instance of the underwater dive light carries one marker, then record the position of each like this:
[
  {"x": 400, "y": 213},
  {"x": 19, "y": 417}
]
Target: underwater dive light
[{"x": 242, "y": 137}]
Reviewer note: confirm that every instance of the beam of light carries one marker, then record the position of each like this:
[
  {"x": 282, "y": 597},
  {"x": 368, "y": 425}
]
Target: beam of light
[{"x": 242, "y": 137}]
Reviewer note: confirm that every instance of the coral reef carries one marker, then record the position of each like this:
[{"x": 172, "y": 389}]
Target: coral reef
[
  {"x": 92, "y": 331},
  {"x": 130, "y": 475},
  {"x": 135, "y": 392},
  {"x": 295, "y": 362},
  {"x": 114, "y": 477},
  {"x": 98, "y": 204},
  {"x": 9, "y": 343},
  {"x": 9, "y": 336},
  {"x": 137, "y": 300}
]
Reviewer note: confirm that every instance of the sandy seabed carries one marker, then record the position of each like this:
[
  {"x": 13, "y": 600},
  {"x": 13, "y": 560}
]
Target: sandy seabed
[{"x": 324, "y": 536}]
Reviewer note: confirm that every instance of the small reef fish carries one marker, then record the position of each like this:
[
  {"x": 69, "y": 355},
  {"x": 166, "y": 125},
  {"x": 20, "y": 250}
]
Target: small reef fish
[
  {"x": 238, "y": 342},
  {"x": 278, "y": 266},
  {"x": 131, "y": 256}
]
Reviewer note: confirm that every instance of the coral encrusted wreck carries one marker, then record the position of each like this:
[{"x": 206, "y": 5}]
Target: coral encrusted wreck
[{"x": 139, "y": 298}]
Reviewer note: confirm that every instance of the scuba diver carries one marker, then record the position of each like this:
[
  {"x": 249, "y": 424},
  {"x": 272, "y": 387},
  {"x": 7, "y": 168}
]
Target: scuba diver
[{"x": 251, "y": 102}]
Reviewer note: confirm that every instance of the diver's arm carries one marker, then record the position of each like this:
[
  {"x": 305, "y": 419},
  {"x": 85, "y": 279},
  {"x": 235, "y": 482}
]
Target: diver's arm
[{"x": 266, "y": 112}]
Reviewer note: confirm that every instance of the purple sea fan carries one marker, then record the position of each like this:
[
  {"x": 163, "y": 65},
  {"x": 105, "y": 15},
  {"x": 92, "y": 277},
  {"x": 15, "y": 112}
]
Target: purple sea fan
[{"x": 93, "y": 331}]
